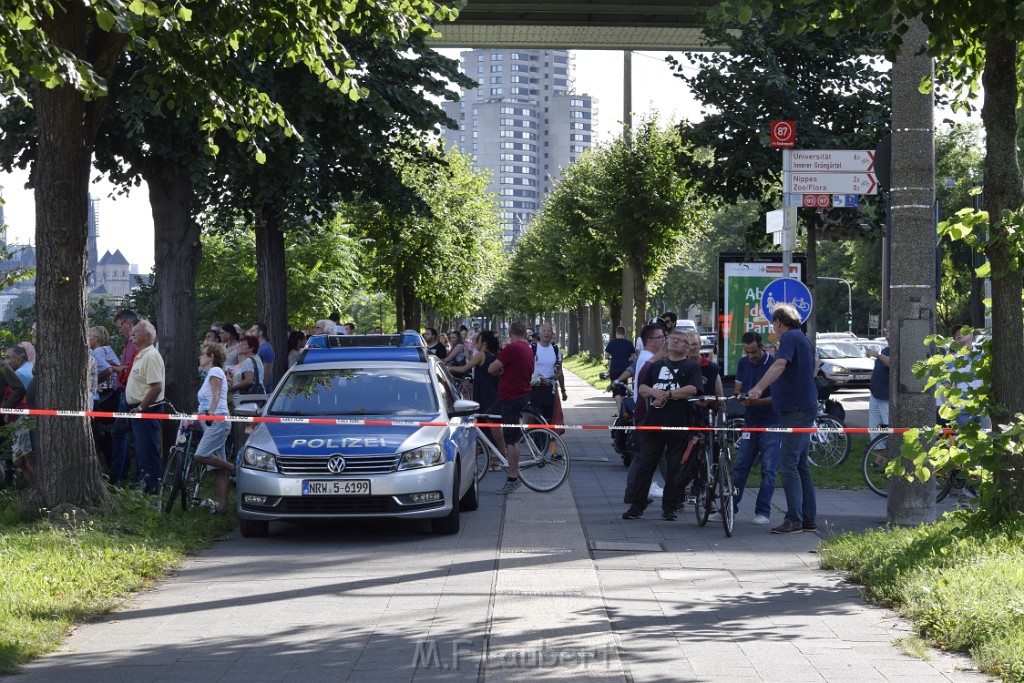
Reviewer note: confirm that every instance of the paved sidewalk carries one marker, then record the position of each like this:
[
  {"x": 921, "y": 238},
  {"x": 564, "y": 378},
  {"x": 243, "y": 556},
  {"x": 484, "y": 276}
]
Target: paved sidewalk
[{"x": 530, "y": 589}]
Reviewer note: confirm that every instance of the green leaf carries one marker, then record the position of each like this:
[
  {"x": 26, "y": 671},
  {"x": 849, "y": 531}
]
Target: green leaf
[
  {"x": 105, "y": 19},
  {"x": 184, "y": 13},
  {"x": 261, "y": 158},
  {"x": 26, "y": 23},
  {"x": 746, "y": 12},
  {"x": 984, "y": 270},
  {"x": 137, "y": 7}
]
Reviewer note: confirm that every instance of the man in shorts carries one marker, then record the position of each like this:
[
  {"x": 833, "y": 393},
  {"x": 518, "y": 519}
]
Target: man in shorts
[{"x": 515, "y": 366}]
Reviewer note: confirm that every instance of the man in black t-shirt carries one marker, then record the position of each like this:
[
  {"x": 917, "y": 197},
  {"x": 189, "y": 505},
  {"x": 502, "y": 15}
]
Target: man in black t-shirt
[
  {"x": 434, "y": 345},
  {"x": 665, "y": 386}
]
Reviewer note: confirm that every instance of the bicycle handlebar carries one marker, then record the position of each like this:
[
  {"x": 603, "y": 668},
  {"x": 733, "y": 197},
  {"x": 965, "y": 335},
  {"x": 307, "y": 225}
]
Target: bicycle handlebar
[{"x": 717, "y": 399}]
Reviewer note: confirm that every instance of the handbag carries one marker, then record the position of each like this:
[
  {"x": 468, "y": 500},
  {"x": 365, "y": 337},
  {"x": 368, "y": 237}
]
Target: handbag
[{"x": 257, "y": 382}]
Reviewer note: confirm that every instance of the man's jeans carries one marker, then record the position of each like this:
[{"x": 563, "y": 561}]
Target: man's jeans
[
  {"x": 795, "y": 468},
  {"x": 754, "y": 445},
  {"x": 147, "y": 453},
  {"x": 119, "y": 443}
]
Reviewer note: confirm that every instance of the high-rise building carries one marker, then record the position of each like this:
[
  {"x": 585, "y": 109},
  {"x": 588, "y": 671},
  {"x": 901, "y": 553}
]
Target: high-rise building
[{"x": 524, "y": 123}]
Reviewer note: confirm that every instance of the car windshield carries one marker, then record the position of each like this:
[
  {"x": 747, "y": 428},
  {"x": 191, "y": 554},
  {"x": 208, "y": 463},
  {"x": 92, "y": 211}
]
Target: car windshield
[
  {"x": 356, "y": 391},
  {"x": 835, "y": 350}
]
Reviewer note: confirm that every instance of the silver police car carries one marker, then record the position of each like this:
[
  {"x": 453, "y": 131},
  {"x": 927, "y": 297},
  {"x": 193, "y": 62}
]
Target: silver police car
[{"x": 346, "y": 439}]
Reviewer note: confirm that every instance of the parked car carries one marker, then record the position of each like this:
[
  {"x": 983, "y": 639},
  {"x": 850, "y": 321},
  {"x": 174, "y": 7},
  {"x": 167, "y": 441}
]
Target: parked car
[
  {"x": 865, "y": 344},
  {"x": 844, "y": 364},
  {"x": 294, "y": 470}
]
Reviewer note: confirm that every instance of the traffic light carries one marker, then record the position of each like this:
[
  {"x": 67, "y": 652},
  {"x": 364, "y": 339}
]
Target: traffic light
[{"x": 849, "y": 320}]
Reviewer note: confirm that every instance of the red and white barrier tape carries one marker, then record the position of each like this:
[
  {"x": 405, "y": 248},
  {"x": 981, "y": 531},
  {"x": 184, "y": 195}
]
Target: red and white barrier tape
[{"x": 412, "y": 423}]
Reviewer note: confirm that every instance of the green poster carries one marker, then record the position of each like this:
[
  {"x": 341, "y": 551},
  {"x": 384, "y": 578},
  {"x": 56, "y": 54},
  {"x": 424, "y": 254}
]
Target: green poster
[{"x": 741, "y": 307}]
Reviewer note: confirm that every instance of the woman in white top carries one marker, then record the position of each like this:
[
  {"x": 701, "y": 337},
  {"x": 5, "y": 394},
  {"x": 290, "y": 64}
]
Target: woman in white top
[{"x": 213, "y": 400}]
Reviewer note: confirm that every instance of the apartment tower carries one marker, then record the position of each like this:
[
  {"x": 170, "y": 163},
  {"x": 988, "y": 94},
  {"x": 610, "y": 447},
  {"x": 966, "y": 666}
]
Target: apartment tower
[{"x": 523, "y": 122}]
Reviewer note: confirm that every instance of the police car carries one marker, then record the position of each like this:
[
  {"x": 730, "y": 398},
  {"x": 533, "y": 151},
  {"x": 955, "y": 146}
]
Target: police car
[{"x": 347, "y": 443}]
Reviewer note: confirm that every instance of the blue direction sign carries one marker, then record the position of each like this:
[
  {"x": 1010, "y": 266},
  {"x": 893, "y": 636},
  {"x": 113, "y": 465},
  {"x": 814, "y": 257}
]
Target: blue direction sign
[{"x": 786, "y": 291}]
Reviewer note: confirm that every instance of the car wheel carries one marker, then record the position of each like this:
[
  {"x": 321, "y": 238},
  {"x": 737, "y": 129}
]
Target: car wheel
[
  {"x": 254, "y": 528},
  {"x": 449, "y": 524},
  {"x": 471, "y": 501}
]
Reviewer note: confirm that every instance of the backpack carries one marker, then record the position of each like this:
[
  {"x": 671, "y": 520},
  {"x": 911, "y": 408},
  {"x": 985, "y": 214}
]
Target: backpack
[{"x": 558, "y": 354}]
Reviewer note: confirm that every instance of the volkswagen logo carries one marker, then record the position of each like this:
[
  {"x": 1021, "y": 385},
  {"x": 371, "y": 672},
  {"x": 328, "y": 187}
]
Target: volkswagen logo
[{"x": 336, "y": 464}]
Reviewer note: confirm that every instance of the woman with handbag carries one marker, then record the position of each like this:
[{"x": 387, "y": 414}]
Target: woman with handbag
[{"x": 248, "y": 375}]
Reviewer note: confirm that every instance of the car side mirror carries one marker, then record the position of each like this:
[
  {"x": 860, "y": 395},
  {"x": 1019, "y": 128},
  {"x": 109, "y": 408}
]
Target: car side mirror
[{"x": 465, "y": 408}]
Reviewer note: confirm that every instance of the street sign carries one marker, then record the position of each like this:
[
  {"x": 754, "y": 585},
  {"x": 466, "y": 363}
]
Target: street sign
[
  {"x": 775, "y": 221},
  {"x": 783, "y": 134},
  {"x": 786, "y": 290},
  {"x": 847, "y": 201},
  {"x": 830, "y": 183},
  {"x": 829, "y": 161},
  {"x": 817, "y": 201}
]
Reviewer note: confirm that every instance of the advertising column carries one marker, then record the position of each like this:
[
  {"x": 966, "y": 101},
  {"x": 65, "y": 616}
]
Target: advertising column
[{"x": 742, "y": 284}]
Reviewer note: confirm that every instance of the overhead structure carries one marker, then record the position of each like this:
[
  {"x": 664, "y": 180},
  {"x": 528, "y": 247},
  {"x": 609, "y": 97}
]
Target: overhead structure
[{"x": 580, "y": 25}]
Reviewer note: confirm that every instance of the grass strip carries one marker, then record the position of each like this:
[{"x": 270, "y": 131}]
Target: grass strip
[
  {"x": 56, "y": 576},
  {"x": 960, "y": 581}
]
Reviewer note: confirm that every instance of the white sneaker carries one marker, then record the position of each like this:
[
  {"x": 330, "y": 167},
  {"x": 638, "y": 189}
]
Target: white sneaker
[
  {"x": 759, "y": 519},
  {"x": 715, "y": 517}
]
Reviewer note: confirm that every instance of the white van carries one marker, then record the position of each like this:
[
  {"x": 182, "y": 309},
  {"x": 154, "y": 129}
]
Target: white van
[{"x": 686, "y": 325}]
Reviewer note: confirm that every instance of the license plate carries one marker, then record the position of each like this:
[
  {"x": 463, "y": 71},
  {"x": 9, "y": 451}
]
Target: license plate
[{"x": 347, "y": 487}]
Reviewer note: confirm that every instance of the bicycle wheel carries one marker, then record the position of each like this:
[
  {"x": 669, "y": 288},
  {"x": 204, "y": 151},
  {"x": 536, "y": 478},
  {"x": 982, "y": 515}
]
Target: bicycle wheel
[
  {"x": 704, "y": 484},
  {"x": 828, "y": 449},
  {"x": 964, "y": 483},
  {"x": 483, "y": 457},
  {"x": 725, "y": 489},
  {"x": 733, "y": 437},
  {"x": 190, "y": 495},
  {"x": 170, "y": 483},
  {"x": 873, "y": 466},
  {"x": 543, "y": 460}
]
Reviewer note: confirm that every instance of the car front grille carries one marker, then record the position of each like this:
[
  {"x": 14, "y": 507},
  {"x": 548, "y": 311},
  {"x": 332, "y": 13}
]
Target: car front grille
[{"x": 355, "y": 465}]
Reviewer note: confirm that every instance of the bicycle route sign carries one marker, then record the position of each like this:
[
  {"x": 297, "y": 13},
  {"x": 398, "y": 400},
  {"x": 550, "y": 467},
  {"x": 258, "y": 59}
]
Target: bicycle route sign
[{"x": 785, "y": 290}]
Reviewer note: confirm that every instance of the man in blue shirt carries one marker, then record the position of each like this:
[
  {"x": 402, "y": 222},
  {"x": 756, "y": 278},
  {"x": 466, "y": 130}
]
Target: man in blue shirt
[
  {"x": 619, "y": 351},
  {"x": 759, "y": 413},
  {"x": 796, "y": 399}
]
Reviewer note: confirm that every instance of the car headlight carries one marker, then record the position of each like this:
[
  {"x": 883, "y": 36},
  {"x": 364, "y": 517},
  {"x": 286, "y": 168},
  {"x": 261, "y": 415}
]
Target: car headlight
[
  {"x": 255, "y": 459},
  {"x": 839, "y": 370},
  {"x": 425, "y": 456}
]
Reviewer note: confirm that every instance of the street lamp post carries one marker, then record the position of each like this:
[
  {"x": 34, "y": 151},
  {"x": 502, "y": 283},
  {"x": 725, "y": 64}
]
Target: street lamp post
[{"x": 849, "y": 300}]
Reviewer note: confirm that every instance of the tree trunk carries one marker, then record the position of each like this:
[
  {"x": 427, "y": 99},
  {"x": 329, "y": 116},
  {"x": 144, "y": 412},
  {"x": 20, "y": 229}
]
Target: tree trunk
[
  {"x": 596, "y": 316},
  {"x": 640, "y": 292},
  {"x": 627, "y": 311},
  {"x": 615, "y": 315},
  {"x": 583, "y": 313},
  {"x": 573, "y": 345},
  {"x": 177, "y": 253},
  {"x": 1004, "y": 190},
  {"x": 912, "y": 290},
  {"x": 68, "y": 470},
  {"x": 412, "y": 310},
  {"x": 399, "y": 303},
  {"x": 272, "y": 286}
]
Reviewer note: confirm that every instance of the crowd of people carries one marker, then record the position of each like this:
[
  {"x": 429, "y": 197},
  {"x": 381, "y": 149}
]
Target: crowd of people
[
  {"x": 780, "y": 391},
  {"x": 777, "y": 384},
  {"x": 233, "y": 359}
]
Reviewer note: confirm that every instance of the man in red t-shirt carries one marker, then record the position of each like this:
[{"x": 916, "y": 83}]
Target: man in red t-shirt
[{"x": 515, "y": 365}]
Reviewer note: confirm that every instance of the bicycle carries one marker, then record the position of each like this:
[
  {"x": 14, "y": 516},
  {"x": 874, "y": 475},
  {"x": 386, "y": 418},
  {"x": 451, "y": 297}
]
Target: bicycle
[
  {"x": 543, "y": 457},
  {"x": 183, "y": 475},
  {"x": 829, "y": 447},
  {"x": 712, "y": 477},
  {"x": 875, "y": 465}
]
